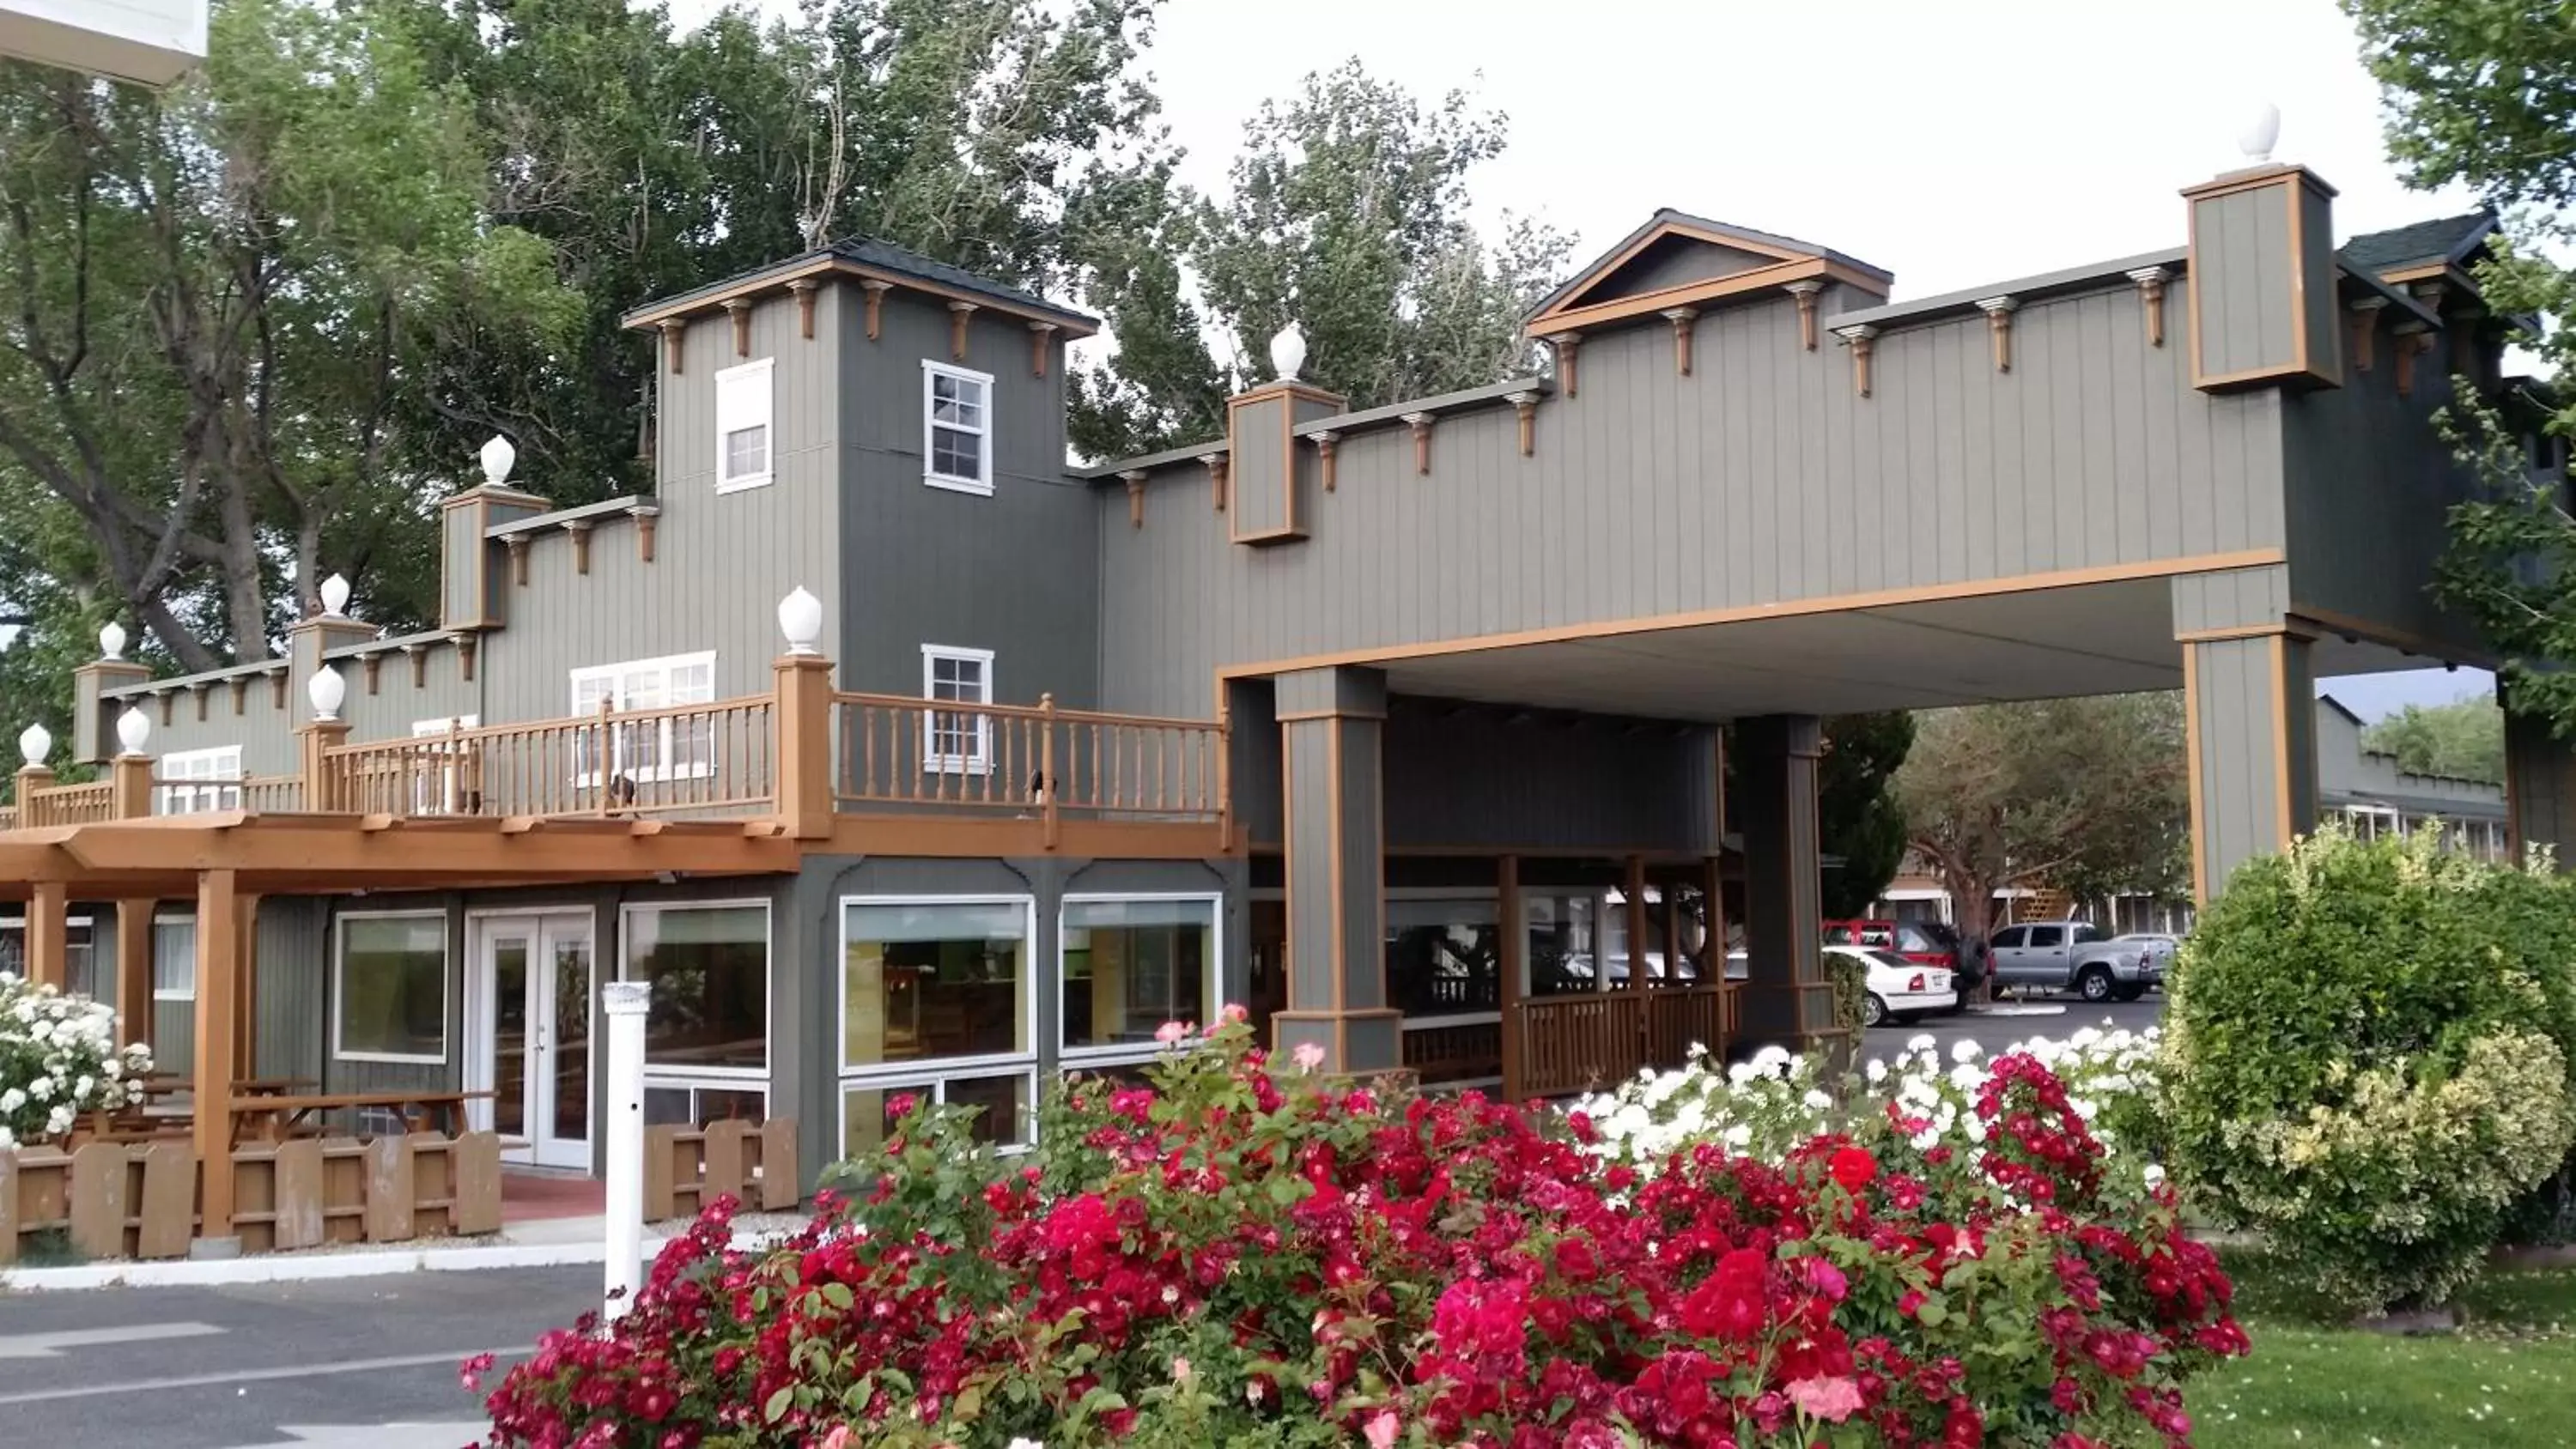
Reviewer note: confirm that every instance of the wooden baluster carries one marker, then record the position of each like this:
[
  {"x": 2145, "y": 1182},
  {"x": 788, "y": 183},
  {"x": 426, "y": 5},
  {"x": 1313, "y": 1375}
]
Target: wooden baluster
[{"x": 1054, "y": 788}]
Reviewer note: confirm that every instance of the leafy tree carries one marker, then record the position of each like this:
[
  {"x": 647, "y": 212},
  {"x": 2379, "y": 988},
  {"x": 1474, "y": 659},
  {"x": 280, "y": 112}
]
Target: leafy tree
[
  {"x": 2483, "y": 93},
  {"x": 2463, "y": 740},
  {"x": 1858, "y": 818},
  {"x": 2089, "y": 796}
]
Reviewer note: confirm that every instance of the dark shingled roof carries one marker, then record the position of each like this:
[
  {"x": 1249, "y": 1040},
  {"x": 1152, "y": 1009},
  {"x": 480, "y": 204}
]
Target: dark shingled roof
[
  {"x": 2446, "y": 239},
  {"x": 883, "y": 256}
]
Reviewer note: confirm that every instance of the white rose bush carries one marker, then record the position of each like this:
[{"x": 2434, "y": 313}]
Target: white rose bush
[
  {"x": 1768, "y": 1105},
  {"x": 58, "y": 1060}
]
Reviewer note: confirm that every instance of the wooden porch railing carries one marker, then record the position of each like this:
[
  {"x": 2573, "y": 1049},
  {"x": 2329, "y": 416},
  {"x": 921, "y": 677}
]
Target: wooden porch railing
[
  {"x": 273, "y": 794},
  {"x": 696, "y": 758},
  {"x": 1589, "y": 1041},
  {"x": 67, "y": 805},
  {"x": 895, "y": 750}
]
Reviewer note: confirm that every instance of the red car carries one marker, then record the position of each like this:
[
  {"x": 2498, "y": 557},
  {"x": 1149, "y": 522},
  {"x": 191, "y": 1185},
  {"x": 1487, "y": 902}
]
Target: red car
[{"x": 1918, "y": 947}]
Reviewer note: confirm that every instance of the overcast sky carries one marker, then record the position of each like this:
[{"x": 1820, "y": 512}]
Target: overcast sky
[{"x": 1955, "y": 142}]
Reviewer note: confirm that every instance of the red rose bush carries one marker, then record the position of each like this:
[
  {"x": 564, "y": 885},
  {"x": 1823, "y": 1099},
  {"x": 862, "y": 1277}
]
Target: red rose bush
[{"x": 1239, "y": 1255}]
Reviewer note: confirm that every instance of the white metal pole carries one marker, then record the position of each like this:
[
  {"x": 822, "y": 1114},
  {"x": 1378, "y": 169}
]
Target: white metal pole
[{"x": 627, "y": 1002}]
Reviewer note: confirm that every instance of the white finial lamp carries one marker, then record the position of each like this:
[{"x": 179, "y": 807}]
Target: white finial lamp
[
  {"x": 111, "y": 641},
  {"x": 498, "y": 459},
  {"x": 2261, "y": 133},
  {"x": 1288, "y": 352},
  {"x": 326, "y": 689},
  {"x": 800, "y": 618},
  {"x": 335, "y": 596},
  {"x": 35, "y": 746},
  {"x": 133, "y": 731}
]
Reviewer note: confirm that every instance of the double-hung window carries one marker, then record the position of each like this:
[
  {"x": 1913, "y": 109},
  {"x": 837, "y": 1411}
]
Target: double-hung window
[
  {"x": 174, "y": 958},
  {"x": 956, "y": 741},
  {"x": 196, "y": 781},
  {"x": 664, "y": 747},
  {"x": 743, "y": 435},
  {"x": 956, "y": 428}
]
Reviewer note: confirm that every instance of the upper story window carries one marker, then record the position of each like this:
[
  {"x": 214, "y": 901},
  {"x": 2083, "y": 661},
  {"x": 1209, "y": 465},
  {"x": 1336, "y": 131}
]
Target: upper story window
[
  {"x": 189, "y": 780},
  {"x": 742, "y": 426},
  {"x": 956, "y": 428},
  {"x": 664, "y": 747},
  {"x": 956, "y": 741}
]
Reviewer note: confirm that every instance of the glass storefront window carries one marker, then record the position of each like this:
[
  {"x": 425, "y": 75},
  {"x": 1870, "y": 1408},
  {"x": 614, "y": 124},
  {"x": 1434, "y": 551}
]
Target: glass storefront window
[
  {"x": 1444, "y": 957},
  {"x": 709, "y": 969},
  {"x": 390, "y": 989},
  {"x": 1132, "y": 965},
  {"x": 1005, "y": 1106},
  {"x": 1564, "y": 956},
  {"x": 930, "y": 978}
]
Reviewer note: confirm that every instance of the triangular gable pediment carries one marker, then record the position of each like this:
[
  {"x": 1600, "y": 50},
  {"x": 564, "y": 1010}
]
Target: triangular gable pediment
[{"x": 1675, "y": 258}]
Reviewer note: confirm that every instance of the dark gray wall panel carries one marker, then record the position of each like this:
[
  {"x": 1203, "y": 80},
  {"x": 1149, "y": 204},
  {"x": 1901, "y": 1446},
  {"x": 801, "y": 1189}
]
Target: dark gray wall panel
[
  {"x": 2246, "y": 724},
  {"x": 1475, "y": 778},
  {"x": 1761, "y": 478},
  {"x": 1675, "y": 262},
  {"x": 294, "y": 957}
]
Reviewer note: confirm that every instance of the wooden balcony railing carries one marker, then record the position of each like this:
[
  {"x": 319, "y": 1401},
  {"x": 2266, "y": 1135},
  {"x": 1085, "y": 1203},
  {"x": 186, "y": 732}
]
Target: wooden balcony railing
[
  {"x": 67, "y": 805},
  {"x": 273, "y": 794},
  {"x": 1580, "y": 1043},
  {"x": 696, "y": 758},
  {"x": 895, "y": 750}
]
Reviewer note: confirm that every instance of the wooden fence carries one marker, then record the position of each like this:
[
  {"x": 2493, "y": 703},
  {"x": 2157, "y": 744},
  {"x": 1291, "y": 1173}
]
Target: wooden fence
[
  {"x": 1588, "y": 1041},
  {"x": 139, "y": 1199},
  {"x": 685, "y": 1169}
]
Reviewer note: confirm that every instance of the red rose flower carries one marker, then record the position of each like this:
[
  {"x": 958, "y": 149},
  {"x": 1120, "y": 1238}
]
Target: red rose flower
[{"x": 1854, "y": 1168}]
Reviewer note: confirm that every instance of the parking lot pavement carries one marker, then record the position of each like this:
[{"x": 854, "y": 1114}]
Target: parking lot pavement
[
  {"x": 363, "y": 1362},
  {"x": 2054, "y": 1017}
]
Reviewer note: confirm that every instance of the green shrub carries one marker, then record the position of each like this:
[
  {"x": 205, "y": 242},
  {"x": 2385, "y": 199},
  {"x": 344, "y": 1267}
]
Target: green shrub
[
  {"x": 1850, "y": 976},
  {"x": 2367, "y": 1059}
]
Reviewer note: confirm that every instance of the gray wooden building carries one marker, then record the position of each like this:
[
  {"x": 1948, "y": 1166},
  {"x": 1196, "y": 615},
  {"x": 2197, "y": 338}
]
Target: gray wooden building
[{"x": 1406, "y": 727}]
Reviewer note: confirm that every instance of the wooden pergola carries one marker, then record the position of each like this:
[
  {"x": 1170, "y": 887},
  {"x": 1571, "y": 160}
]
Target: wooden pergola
[{"x": 226, "y": 861}]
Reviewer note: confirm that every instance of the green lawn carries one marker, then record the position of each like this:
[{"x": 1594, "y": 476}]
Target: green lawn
[{"x": 2502, "y": 1381}]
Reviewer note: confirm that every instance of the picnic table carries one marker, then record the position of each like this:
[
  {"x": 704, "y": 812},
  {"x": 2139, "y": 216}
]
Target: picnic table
[{"x": 274, "y": 1118}]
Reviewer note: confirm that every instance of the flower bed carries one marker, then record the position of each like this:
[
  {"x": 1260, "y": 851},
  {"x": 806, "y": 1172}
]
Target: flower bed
[
  {"x": 1243, "y": 1257},
  {"x": 58, "y": 1059}
]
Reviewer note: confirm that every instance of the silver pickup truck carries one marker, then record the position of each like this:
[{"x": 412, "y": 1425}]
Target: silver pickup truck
[{"x": 2074, "y": 955}]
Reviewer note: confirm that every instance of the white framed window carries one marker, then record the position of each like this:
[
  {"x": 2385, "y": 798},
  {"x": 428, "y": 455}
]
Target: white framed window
[
  {"x": 174, "y": 958},
  {"x": 389, "y": 988},
  {"x": 938, "y": 999},
  {"x": 647, "y": 749},
  {"x": 956, "y": 428},
  {"x": 956, "y": 741},
  {"x": 706, "y": 1033},
  {"x": 745, "y": 442},
  {"x": 192, "y": 781},
  {"x": 1126, "y": 964}
]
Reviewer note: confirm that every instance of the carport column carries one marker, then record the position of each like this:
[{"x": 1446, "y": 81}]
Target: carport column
[
  {"x": 1329, "y": 724},
  {"x": 49, "y": 935},
  {"x": 134, "y": 971},
  {"x": 2249, "y": 741},
  {"x": 2539, "y": 785},
  {"x": 1788, "y": 998},
  {"x": 218, "y": 981}
]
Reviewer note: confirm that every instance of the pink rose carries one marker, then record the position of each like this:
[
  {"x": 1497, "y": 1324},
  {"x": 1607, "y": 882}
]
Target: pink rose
[
  {"x": 1307, "y": 1056},
  {"x": 1172, "y": 1031},
  {"x": 1380, "y": 1429},
  {"x": 1236, "y": 1014},
  {"x": 1832, "y": 1400},
  {"x": 839, "y": 1438}
]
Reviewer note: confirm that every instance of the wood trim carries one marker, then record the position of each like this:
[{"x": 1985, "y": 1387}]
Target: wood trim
[
  {"x": 1216, "y": 466},
  {"x": 739, "y": 309},
  {"x": 2425, "y": 272},
  {"x": 1134, "y": 478},
  {"x": 371, "y": 664},
  {"x": 648, "y": 519},
  {"x": 277, "y": 689},
  {"x": 1041, "y": 342},
  {"x": 1327, "y": 451},
  {"x": 1807, "y": 292},
  {"x": 1706, "y": 290},
  {"x": 958, "y": 313},
  {"x": 2364, "y": 313},
  {"x": 1421, "y": 425},
  {"x": 1601, "y": 271},
  {"x": 2151, "y": 283},
  {"x": 218, "y": 986},
  {"x": 2289, "y": 179},
  {"x": 197, "y": 696},
  {"x": 1863, "y": 340},
  {"x": 1565, "y": 345},
  {"x": 241, "y": 694},
  {"x": 876, "y": 290},
  {"x": 419, "y": 658},
  {"x": 803, "y": 287},
  {"x": 2332, "y": 372},
  {"x": 1073, "y": 324},
  {"x": 2292, "y": 628},
  {"x": 675, "y": 345},
  {"x": 2410, "y": 345},
  {"x": 169, "y": 707},
  {"x": 517, "y": 544},
  {"x": 2192, "y": 773},
  {"x": 2251, "y": 179},
  {"x": 465, "y": 656},
  {"x": 1685, "y": 323},
  {"x": 1999, "y": 322},
  {"x": 1748, "y": 613},
  {"x": 1525, "y": 405},
  {"x": 579, "y": 528}
]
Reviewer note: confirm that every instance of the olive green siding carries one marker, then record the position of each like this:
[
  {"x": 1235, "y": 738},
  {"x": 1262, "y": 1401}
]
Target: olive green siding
[
  {"x": 2230, "y": 599},
  {"x": 1761, "y": 478},
  {"x": 2246, "y": 718},
  {"x": 1260, "y": 484},
  {"x": 2240, "y": 281},
  {"x": 1478, "y": 778}
]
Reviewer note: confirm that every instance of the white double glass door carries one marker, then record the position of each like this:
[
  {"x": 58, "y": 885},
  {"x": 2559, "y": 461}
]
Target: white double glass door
[{"x": 531, "y": 1037}]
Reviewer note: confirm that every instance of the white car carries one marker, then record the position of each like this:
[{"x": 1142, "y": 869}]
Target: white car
[{"x": 1899, "y": 990}]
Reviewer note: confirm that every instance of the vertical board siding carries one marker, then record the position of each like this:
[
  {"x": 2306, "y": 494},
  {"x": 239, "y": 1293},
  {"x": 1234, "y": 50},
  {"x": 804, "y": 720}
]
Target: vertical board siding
[
  {"x": 722, "y": 561},
  {"x": 2370, "y": 487},
  {"x": 294, "y": 956},
  {"x": 1470, "y": 777},
  {"x": 1762, "y": 478},
  {"x": 1015, "y": 572},
  {"x": 2237, "y": 718},
  {"x": 1309, "y": 816},
  {"x": 2230, "y": 599}
]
